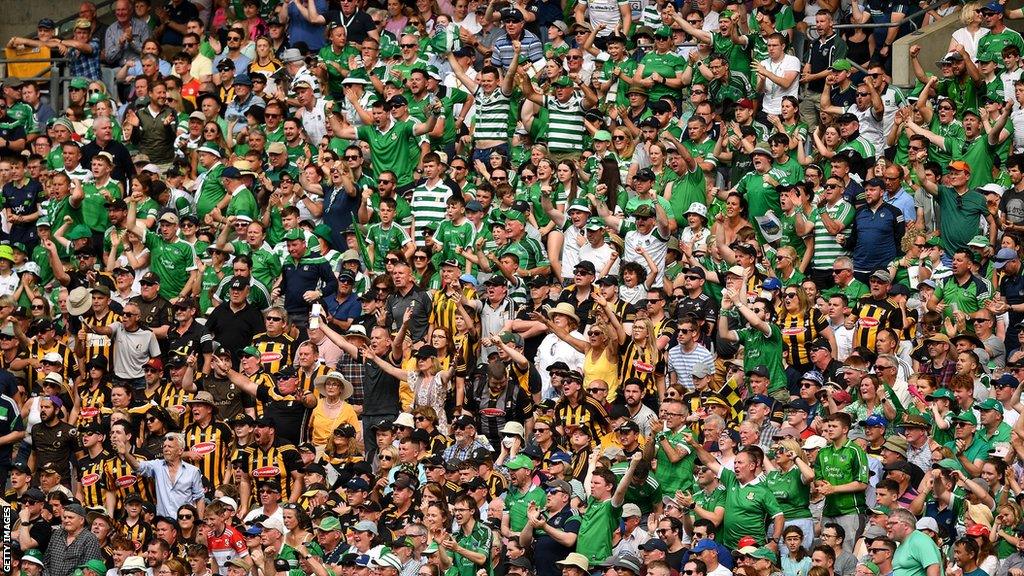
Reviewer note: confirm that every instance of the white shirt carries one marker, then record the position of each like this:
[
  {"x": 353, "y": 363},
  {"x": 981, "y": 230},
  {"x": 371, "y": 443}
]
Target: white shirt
[
  {"x": 314, "y": 122},
  {"x": 551, "y": 350},
  {"x": 774, "y": 93},
  {"x": 600, "y": 257}
]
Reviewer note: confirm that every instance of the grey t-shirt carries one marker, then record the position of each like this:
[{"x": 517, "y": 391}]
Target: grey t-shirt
[{"x": 132, "y": 350}]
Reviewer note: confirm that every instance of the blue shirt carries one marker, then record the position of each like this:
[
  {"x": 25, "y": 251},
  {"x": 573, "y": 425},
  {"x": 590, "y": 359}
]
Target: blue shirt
[
  {"x": 503, "y": 50},
  {"x": 300, "y": 30},
  {"x": 187, "y": 487},
  {"x": 875, "y": 237},
  {"x": 904, "y": 202},
  {"x": 350, "y": 308}
]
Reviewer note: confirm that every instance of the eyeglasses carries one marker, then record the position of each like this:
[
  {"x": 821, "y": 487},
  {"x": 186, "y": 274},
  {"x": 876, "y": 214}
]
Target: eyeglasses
[
  {"x": 190, "y": 44},
  {"x": 385, "y": 181},
  {"x": 832, "y": 186},
  {"x": 95, "y": 91},
  {"x": 38, "y": 307},
  {"x": 959, "y": 424},
  {"x": 921, "y": 246},
  {"x": 275, "y": 319},
  {"x": 539, "y": 430},
  {"x": 267, "y": 491},
  {"x": 386, "y": 458},
  {"x": 945, "y": 108},
  {"x": 618, "y": 137},
  {"x": 841, "y": 270},
  {"x": 596, "y": 390},
  {"x": 234, "y": 38},
  {"x": 686, "y": 330},
  {"x": 185, "y": 517},
  {"x": 150, "y": 370},
  {"x": 132, "y": 314},
  {"x": 407, "y": 45},
  {"x": 698, "y": 91},
  {"x": 150, "y": 419},
  {"x": 418, "y": 257},
  {"x": 421, "y": 419},
  {"x": 789, "y": 295}
]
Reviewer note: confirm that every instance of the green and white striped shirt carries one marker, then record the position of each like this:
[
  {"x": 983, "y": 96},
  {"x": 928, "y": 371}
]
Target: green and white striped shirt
[
  {"x": 826, "y": 249},
  {"x": 493, "y": 115},
  {"x": 565, "y": 124},
  {"x": 428, "y": 206}
]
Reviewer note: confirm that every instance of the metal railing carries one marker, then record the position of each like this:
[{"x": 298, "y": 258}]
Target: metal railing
[{"x": 906, "y": 19}]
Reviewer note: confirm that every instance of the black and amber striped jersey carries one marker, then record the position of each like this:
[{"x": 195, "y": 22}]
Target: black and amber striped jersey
[
  {"x": 496, "y": 484},
  {"x": 138, "y": 532},
  {"x": 69, "y": 367},
  {"x": 874, "y": 315},
  {"x": 92, "y": 478},
  {"x": 467, "y": 350},
  {"x": 797, "y": 330},
  {"x": 123, "y": 481},
  {"x": 438, "y": 442},
  {"x": 93, "y": 403},
  {"x": 306, "y": 379},
  {"x": 211, "y": 447},
  {"x": 666, "y": 327},
  {"x": 13, "y": 500},
  {"x": 98, "y": 344},
  {"x": 636, "y": 362},
  {"x": 175, "y": 400},
  {"x": 260, "y": 379},
  {"x": 444, "y": 307},
  {"x": 275, "y": 351},
  {"x": 587, "y": 414},
  {"x": 276, "y": 462}
]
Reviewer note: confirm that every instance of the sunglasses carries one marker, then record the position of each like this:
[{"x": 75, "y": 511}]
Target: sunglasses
[
  {"x": 186, "y": 517},
  {"x": 407, "y": 45}
]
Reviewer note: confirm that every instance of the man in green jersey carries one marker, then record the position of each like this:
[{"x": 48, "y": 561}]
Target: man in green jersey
[
  {"x": 841, "y": 474},
  {"x": 917, "y": 553},
  {"x": 753, "y": 509},
  {"x": 762, "y": 338},
  {"x": 521, "y": 493},
  {"x": 604, "y": 507},
  {"x": 666, "y": 443},
  {"x": 172, "y": 260}
]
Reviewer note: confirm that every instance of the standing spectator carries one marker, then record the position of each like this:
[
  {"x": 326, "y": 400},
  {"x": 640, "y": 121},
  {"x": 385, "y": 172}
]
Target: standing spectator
[
  {"x": 176, "y": 482},
  {"x": 841, "y": 474},
  {"x": 305, "y": 21},
  {"x": 917, "y": 554},
  {"x": 876, "y": 233},
  {"x": 306, "y": 277},
  {"x": 134, "y": 345},
  {"x": 82, "y": 51},
  {"x": 122, "y": 41}
]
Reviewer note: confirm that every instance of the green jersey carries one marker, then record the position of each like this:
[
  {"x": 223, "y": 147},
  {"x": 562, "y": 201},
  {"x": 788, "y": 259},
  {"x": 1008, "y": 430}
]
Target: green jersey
[
  {"x": 667, "y": 66},
  {"x": 243, "y": 203},
  {"x": 381, "y": 240},
  {"x": 266, "y": 264},
  {"x": 211, "y": 191},
  {"x": 516, "y": 503},
  {"x": 451, "y": 235},
  {"x": 171, "y": 262},
  {"x": 390, "y": 149},
  {"x": 93, "y": 208},
  {"x": 764, "y": 350},
  {"x": 477, "y": 540},
  {"x": 599, "y": 522},
  {"x": 673, "y": 476},
  {"x": 751, "y": 507},
  {"x": 761, "y": 195},
  {"x": 793, "y": 495},
  {"x": 842, "y": 465}
]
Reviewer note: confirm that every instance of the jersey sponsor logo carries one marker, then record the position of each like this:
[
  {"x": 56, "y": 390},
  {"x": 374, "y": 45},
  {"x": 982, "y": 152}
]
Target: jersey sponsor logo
[
  {"x": 868, "y": 322},
  {"x": 126, "y": 481},
  {"x": 645, "y": 367},
  {"x": 204, "y": 448},
  {"x": 492, "y": 412},
  {"x": 179, "y": 408},
  {"x": 793, "y": 331},
  {"x": 90, "y": 479},
  {"x": 90, "y": 411},
  {"x": 270, "y": 357},
  {"x": 266, "y": 472}
]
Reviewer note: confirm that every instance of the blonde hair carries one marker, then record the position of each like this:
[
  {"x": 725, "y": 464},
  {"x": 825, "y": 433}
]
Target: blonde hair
[
  {"x": 969, "y": 13},
  {"x": 794, "y": 447}
]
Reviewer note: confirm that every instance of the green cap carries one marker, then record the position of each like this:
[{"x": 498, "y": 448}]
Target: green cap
[
  {"x": 251, "y": 351},
  {"x": 871, "y": 566},
  {"x": 595, "y": 223},
  {"x": 602, "y": 136},
  {"x": 663, "y": 31},
  {"x": 96, "y": 565},
  {"x": 515, "y": 215},
  {"x": 881, "y": 509},
  {"x": 987, "y": 56},
  {"x": 563, "y": 82},
  {"x": 948, "y": 464},
  {"x": 990, "y": 404},
  {"x": 934, "y": 241},
  {"x": 967, "y": 416},
  {"x": 294, "y": 234},
  {"x": 520, "y": 461},
  {"x": 726, "y": 14},
  {"x": 940, "y": 393},
  {"x": 765, "y": 554},
  {"x": 79, "y": 83},
  {"x": 842, "y": 64},
  {"x": 329, "y": 524},
  {"x": 978, "y": 241},
  {"x": 431, "y": 548},
  {"x": 78, "y": 232},
  {"x": 33, "y": 555},
  {"x": 44, "y": 222},
  {"x": 97, "y": 98},
  {"x": 323, "y": 231}
]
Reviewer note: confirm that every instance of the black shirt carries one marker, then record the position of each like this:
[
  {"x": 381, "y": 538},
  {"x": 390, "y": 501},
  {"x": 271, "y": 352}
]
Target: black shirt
[
  {"x": 234, "y": 330},
  {"x": 357, "y": 25},
  {"x": 380, "y": 390},
  {"x": 822, "y": 53},
  {"x": 10, "y": 132},
  {"x": 547, "y": 550},
  {"x": 123, "y": 167}
]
